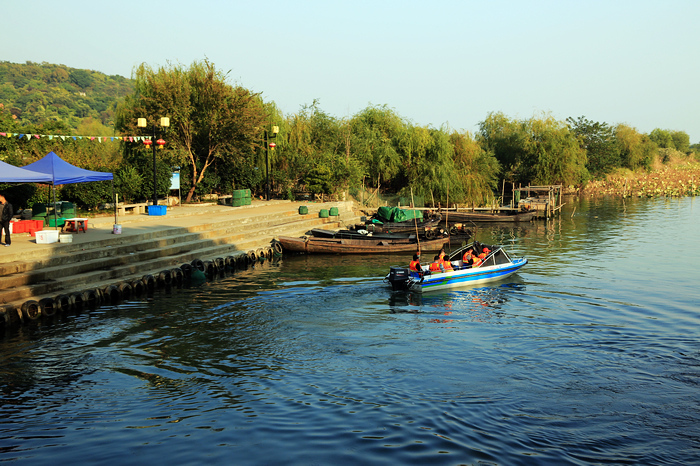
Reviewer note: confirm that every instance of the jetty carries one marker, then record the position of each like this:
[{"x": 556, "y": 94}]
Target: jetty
[{"x": 99, "y": 265}]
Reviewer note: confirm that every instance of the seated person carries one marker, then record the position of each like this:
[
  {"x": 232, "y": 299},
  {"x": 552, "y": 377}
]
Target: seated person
[
  {"x": 436, "y": 265},
  {"x": 414, "y": 267},
  {"x": 446, "y": 264}
]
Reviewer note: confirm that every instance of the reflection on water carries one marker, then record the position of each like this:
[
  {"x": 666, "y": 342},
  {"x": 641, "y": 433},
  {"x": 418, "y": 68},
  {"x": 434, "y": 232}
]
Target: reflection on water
[{"x": 586, "y": 356}]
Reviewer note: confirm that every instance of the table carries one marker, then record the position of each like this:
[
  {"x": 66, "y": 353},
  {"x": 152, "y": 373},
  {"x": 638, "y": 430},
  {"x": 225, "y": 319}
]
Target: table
[{"x": 75, "y": 224}]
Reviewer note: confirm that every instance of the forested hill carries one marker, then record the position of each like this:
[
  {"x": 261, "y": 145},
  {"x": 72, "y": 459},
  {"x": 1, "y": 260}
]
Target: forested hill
[{"x": 38, "y": 93}]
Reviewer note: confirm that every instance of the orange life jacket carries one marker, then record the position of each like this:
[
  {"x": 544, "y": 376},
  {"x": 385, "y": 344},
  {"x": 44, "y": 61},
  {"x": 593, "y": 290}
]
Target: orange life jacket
[
  {"x": 447, "y": 265},
  {"x": 467, "y": 258},
  {"x": 414, "y": 266},
  {"x": 477, "y": 261},
  {"x": 435, "y": 267}
]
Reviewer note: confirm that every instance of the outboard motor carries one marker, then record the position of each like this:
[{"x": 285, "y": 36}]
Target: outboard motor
[{"x": 398, "y": 277}]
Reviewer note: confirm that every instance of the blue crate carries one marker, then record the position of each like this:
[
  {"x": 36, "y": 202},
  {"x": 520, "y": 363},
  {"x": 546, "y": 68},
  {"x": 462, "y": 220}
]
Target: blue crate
[{"x": 157, "y": 210}]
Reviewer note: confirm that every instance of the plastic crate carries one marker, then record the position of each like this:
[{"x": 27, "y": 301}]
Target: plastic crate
[
  {"x": 157, "y": 209},
  {"x": 47, "y": 236}
]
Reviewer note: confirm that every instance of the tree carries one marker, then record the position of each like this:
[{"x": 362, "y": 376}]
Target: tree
[
  {"x": 636, "y": 150},
  {"x": 598, "y": 140},
  {"x": 210, "y": 120}
]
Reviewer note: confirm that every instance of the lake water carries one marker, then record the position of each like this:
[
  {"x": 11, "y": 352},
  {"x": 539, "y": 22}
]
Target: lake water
[{"x": 589, "y": 355}]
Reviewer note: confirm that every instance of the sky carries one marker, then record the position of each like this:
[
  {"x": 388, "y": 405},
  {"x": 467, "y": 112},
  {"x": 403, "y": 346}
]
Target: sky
[{"x": 436, "y": 63}]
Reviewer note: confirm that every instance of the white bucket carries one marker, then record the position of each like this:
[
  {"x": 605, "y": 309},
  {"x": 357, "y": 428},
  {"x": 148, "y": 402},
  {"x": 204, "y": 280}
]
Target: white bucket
[{"x": 117, "y": 230}]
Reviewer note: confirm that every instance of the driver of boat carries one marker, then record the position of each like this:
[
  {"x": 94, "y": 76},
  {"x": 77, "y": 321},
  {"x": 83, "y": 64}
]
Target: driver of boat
[
  {"x": 471, "y": 259},
  {"x": 415, "y": 266},
  {"x": 436, "y": 265}
]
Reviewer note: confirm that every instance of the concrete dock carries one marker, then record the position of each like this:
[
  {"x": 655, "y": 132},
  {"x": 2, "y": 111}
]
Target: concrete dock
[{"x": 98, "y": 265}]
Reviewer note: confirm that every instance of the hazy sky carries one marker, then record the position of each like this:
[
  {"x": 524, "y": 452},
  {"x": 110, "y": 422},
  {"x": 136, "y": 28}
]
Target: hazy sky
[{"x": 433, "y": 62}]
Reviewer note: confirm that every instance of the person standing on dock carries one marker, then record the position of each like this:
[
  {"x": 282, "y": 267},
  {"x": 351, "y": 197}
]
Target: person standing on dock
[{"x": 6, "y": 214}]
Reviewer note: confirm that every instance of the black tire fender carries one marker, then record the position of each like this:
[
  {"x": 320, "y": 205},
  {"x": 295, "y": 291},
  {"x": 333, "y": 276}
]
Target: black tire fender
[
  {"x": 126, "y": 290},
  {"x": 31, "y": 309},
  {"x": 48, "y": 306},
  {"x": 198, "y": 264},
  {"x": 63, "y": 303},
  {"x": 149, "y": 281}
]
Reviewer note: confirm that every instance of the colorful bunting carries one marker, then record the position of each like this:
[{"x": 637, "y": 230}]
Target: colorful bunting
[{"x": 75, "y": 138}]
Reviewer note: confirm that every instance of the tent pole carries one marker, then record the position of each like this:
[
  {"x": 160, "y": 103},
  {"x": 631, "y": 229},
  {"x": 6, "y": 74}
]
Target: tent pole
[
  {"x": 55, "y": 217},
  {"x": 114, "y": 200}
]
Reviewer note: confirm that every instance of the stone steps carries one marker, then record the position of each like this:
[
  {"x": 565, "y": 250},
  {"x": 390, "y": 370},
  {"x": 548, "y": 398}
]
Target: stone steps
[{"x": 97, "y": 264}]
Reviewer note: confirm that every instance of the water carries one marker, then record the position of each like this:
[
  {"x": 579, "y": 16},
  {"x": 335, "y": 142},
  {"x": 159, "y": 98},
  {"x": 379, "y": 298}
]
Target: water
[{"x": 589, "y": 355}]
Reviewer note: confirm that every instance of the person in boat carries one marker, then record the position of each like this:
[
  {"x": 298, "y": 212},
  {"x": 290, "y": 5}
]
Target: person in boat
[
  {"x": 442, "y": 253},
  {"x": 415, "y": 266},
  {"x": 436, "y": 265},
  {"x": 446, "y": 264},
  {"x": 471, "y": 259},
  {"x": 484, "y": 252}
]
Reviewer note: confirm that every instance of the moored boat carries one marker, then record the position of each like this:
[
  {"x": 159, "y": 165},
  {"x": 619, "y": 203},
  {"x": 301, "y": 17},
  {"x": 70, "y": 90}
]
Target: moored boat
[
  {"x": 497, "y": 216},
  {"x": 495, "y": 266},
  {"x": 314, "y": 245}
]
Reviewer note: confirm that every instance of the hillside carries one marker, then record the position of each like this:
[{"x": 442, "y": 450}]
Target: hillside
[{"x": 37, "y": 93}]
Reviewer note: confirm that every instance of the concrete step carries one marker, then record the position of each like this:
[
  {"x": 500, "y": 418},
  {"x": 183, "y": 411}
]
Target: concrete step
[{"x": 135, "y": 260}]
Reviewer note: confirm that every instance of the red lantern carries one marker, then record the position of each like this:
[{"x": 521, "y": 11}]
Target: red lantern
[
  {"x": 160, "y": 143},
  {"x": 272, "y": 145},
  {"x": 147, "y": 142}
]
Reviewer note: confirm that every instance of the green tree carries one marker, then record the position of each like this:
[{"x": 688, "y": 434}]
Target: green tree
[
  {"x": 637, "y": 150},
  {"x": 598, "y": 140},
  {"x": 476, "y": 170},
  {"x": 210, "y": 120}
]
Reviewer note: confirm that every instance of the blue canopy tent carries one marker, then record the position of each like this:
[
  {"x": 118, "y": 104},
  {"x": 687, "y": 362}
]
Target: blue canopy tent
[
  {"x": 11, "y": 174},
  {"x": 61, "y": 172}
]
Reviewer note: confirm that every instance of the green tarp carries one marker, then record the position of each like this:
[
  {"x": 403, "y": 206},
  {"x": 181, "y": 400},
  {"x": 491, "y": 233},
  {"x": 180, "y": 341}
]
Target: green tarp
[{"x": 395, "y": 214}]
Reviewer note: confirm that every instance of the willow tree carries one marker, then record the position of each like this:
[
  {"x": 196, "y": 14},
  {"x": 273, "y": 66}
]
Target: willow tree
[
  {"x": 210, "y": 119},
  {"x": 375, "y": 131},
  {"x": 476, "y": 170}
]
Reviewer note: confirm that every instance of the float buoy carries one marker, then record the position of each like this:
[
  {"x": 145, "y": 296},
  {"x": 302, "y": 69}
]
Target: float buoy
[
  {"x": 220, "y": 263},
  {"x": 48, "y": 306},
  {"x": 277, "y": 247}
]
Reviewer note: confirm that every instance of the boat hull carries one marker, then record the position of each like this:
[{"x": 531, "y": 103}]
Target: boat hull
[
  {"x": 496, "y": 217},
  {"x": 460, "y": 278},
  {"x": 312, "y": 245}
]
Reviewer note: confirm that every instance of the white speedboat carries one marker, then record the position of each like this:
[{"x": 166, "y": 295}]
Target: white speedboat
[{"x": 495, "y": 266}]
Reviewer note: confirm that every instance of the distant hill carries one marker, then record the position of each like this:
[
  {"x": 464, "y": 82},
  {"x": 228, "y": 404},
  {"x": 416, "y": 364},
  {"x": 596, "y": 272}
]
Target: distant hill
[{"x": 39, "y": 93}]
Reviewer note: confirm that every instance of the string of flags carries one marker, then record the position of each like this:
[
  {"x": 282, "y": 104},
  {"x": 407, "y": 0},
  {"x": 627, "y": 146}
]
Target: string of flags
[{"x": 76, "y": 138}]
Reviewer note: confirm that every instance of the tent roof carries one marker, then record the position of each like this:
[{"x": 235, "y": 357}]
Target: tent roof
[
  {"x": 11, "y": 174},
  {"x": 64, "y": 173}
]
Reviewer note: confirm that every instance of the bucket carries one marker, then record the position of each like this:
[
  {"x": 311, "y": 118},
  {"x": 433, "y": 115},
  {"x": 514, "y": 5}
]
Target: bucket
[
  {"x": 303, "y": 210},
  {"x": 334, "y": 212},
  {"x": 117, "y": 229},
  {"x": 323, "y": 213}
]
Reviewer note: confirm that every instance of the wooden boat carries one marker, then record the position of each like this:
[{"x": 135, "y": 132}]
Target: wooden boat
[
  {"x": 498, "y": 216},
  {"x": 314, "y": 245},
  {"x": 353, "y": 234},
  {"x": 496, "y": 265},
  {"x": 409, "y": 226}
]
